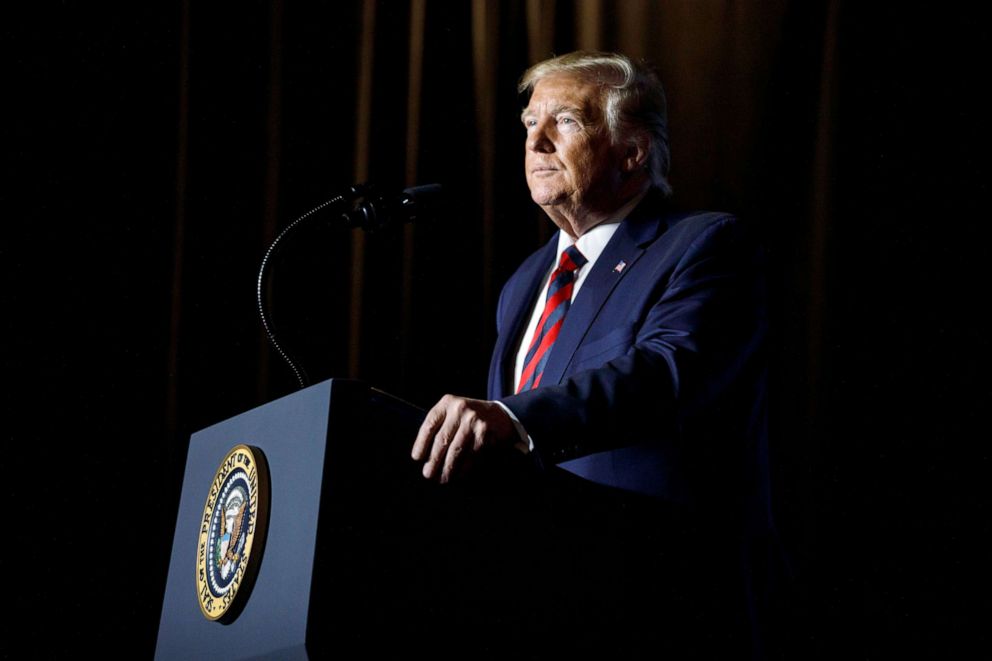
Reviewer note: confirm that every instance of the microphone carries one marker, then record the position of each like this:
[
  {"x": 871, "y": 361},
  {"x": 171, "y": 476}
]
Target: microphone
[
  {"x": 377, "y": 210},
  {"x": 371, "y": 210}
]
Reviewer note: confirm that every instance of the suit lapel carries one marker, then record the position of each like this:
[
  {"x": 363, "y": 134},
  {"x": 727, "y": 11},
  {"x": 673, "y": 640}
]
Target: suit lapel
[
  {"x": 519, "y": 306},
  {"x": 627, "y": 246}
]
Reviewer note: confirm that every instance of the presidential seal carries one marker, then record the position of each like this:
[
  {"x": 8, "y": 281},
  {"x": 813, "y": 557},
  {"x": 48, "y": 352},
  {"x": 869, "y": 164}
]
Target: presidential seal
[{"x": 232, "y": 533}]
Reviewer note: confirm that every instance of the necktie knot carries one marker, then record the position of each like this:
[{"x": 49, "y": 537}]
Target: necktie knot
[{"x": 571, "y": 259}]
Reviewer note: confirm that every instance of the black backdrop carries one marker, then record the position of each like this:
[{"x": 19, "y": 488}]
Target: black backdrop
[{"x": 153, "y": 151}]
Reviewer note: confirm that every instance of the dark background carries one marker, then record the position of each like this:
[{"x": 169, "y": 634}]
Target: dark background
[{"x": 152, "y": 152}]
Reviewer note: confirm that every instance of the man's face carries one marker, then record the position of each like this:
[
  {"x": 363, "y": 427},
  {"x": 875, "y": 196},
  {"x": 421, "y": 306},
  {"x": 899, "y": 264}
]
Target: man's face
[{"x": 571, "y": 164}]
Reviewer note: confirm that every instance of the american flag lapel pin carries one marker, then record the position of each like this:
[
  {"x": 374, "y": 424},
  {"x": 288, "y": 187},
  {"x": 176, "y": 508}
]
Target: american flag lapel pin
[{"x": 620, "y": 266}]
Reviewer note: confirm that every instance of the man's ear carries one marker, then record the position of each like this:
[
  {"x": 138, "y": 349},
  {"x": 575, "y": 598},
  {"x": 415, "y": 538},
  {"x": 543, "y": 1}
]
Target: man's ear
[{"x": 636, "y": 155}]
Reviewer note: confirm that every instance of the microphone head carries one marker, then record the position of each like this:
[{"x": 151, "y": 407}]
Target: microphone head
[
  {"x": 419, "y": 203},
  {"x": 375, "y": 210}
]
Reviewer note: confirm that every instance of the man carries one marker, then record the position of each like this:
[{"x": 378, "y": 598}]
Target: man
[{"x": 630, "y": 348}]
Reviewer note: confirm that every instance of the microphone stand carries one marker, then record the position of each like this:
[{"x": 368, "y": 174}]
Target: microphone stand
[{"x": 347, "y": 197}]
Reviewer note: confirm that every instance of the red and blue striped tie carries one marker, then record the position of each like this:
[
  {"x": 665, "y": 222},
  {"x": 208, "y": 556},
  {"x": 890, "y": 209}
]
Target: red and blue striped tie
[{"x": 555, "y": 307}]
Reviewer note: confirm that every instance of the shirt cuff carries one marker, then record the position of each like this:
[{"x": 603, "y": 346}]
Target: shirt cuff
[{"x": 525, "y": 444}]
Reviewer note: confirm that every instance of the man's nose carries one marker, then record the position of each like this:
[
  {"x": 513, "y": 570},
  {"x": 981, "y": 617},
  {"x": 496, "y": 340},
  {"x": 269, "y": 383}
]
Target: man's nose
[{"x": 538, "y": 140}]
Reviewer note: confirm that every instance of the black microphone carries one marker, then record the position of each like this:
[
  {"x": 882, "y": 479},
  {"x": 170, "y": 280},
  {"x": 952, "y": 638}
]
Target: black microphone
[
  {"x": 376, "y": 210},
  {"x": 371, "y": 210}
]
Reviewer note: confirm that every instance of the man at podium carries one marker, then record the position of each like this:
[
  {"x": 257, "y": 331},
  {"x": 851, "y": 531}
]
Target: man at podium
[{"x": 630, "y": 360}]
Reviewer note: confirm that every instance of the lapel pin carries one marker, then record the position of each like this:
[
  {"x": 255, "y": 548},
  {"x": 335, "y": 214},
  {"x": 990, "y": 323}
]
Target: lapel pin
[{"x": 620, "y": 266}]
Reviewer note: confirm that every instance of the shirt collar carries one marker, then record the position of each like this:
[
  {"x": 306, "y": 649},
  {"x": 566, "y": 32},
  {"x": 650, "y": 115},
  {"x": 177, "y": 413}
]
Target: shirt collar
[{"x": 593, "y": 242}]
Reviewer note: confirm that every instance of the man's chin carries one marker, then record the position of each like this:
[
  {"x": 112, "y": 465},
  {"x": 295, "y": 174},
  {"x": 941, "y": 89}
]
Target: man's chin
[{"x": 547, "y": 198}]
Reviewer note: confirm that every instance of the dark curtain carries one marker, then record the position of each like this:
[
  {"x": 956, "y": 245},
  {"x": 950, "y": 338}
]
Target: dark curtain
[{"x": 156, "y": 150}]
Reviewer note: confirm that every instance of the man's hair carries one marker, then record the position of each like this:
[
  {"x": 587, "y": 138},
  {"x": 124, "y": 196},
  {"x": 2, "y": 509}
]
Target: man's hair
[{"x": 635, "y": 100}]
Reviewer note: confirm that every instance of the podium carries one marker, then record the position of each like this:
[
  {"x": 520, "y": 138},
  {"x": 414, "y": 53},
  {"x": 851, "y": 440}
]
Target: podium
[
  {"x": 360, "y": 556},
  {"x": 343, "y": 496}
]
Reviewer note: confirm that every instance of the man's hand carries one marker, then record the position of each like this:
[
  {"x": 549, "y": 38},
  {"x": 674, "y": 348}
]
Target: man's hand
[{"x": 456, "y": 430}]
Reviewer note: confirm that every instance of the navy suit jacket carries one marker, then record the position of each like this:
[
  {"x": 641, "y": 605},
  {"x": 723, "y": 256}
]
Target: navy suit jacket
[{"x": 656, "y": 383}]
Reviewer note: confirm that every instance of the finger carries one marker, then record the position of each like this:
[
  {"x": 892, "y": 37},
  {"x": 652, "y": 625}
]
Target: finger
[
  {"x": 441, "y": 441},
  {"x": 457, "y": 450},
  {"x": 429, "y": 427},
  {"x": 480, "y": 431}
]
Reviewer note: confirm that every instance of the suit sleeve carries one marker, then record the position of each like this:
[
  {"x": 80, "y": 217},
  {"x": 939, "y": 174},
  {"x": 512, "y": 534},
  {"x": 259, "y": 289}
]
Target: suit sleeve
[{"x": 693, "y": 368}]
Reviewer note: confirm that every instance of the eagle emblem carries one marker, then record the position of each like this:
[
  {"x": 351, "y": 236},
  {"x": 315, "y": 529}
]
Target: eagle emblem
[
  {"x": 231, "y": 526},
  {"x": 232, "y": 533}
]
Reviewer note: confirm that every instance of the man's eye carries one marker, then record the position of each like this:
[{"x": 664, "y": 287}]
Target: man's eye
[{"x": 566, "y": 120}]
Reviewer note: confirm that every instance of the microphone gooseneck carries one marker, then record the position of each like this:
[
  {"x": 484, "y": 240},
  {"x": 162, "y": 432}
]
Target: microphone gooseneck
[{"x": 373, "y": 211}]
